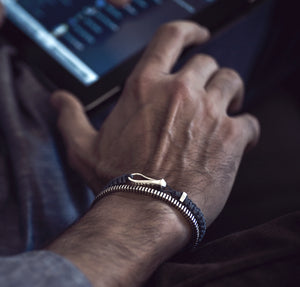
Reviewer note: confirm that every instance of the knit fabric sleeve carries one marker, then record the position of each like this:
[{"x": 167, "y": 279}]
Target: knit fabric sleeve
[{"x": 40, "y": 268}]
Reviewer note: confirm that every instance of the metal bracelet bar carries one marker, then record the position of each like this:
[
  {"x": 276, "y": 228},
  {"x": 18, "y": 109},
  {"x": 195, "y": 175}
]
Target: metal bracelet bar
[{"x": 173, "y": 202}]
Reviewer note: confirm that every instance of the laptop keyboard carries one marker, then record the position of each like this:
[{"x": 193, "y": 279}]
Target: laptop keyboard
[{"x": 93, "y": 23}]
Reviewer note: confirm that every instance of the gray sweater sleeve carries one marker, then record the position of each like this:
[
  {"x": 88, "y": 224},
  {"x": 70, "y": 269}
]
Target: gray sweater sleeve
[{"x": 40, "y": 268}]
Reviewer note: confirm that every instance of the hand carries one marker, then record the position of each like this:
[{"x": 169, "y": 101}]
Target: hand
[
  {"x": 171, "y": 125},
  {"x": 167, "y": 125}
]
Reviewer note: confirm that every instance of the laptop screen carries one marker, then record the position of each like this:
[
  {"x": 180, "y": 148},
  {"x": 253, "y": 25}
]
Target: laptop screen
[{"x": 91, "y": 37}]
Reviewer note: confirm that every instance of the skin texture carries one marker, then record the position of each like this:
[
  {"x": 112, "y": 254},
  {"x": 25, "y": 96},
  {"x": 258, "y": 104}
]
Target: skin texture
[
  {"x": 172, "y": 126},
  {"x": 165, "y": 125}
]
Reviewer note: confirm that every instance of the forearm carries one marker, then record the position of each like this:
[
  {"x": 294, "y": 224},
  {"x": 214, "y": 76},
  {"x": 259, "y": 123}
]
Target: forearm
[{"x": 123, "y": 239}]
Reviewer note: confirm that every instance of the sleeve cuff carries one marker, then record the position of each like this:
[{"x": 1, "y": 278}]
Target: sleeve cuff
[{"x": 40, "y": 268}]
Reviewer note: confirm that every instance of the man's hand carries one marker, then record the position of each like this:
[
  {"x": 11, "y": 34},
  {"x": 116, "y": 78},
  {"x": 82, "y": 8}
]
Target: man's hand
[{"x": 167, "y": 125}]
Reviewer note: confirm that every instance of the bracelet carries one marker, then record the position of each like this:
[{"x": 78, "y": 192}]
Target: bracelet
[{"x": 158, "y": 189}]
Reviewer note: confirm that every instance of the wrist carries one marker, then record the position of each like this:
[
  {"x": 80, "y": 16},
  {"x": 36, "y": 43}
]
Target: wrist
[
  {"x": 159, "y": 189},
  {"x": 123, "y": 239}
]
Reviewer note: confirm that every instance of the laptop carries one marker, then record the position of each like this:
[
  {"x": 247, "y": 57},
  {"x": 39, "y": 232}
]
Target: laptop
[{"x": 89, "y": 46}]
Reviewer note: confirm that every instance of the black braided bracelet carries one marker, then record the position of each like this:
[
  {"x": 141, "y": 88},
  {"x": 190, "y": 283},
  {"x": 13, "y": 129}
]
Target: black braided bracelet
[{"x": 141, "y": 184}]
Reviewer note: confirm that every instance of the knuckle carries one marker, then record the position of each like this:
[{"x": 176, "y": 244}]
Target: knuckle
[
  {"x": 232, "y": 76},
  {"x": 181, "y": 87},
  {"x": 230, "y": 73},
  {"x": 252, "y": 125},
  {"x": 156, "y": 57},
  {"x": 213, "y": 106},
  {"x": 212, "y": 109},
  {"x": 235, "y": 132},
  {"x": 172, "y": 28},
  {"x": 227, "y": 80},
  {"x": 205, "y": 60},
  {"x": 230, "y": 132},
  {"x": 137, "y": 85},
  {"x": 246, "y": 130},
  {"x": 214, "y": 96}
]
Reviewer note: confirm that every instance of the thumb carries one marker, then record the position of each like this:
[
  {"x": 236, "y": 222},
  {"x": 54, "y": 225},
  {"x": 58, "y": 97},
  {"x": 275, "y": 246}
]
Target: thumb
[{"x": 78, "y": 134}]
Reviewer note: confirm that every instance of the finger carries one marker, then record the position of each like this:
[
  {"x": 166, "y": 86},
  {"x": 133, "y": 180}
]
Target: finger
[
  {"x": 228, "y": 89},
  {"x": 168, "y": 43},
  {"x": 77, "y": 132},
  {"x": 249, "y": 130},
  {"x": 199, "y": 69}
]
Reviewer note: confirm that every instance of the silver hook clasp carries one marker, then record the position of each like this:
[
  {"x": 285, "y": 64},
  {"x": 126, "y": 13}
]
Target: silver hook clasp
[{"x": 147, "y": 180}]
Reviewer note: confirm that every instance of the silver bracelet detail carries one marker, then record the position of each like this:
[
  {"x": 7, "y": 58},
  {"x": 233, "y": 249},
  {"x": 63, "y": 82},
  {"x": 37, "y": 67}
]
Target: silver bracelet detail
[{"x": 158, "y": 189}]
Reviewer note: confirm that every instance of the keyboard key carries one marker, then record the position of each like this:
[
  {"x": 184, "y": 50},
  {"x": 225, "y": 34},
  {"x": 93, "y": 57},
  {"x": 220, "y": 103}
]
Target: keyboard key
[
  {"x": 191, "y": 9},
  {"x": 73, "y": 21},
  {"x": 100, "y": 3},
  {"x": 73, "y": 41},
  {"x": 111, "y": 10},
  {"x": 107, "y": 22},
  {"x": 60, "y": 30},
  {"x": 89, "y": 11},
  {"x": 92, "y": 25},
  {"x": 83, "y": 33},
  {"x": 141, "y": 3},
  {"x": 158, "y": 2},
  {"x": 130, "y": 10}
]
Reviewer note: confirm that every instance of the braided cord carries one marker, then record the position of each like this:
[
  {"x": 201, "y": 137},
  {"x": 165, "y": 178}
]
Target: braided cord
[{"x": 174, "y": 198}]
